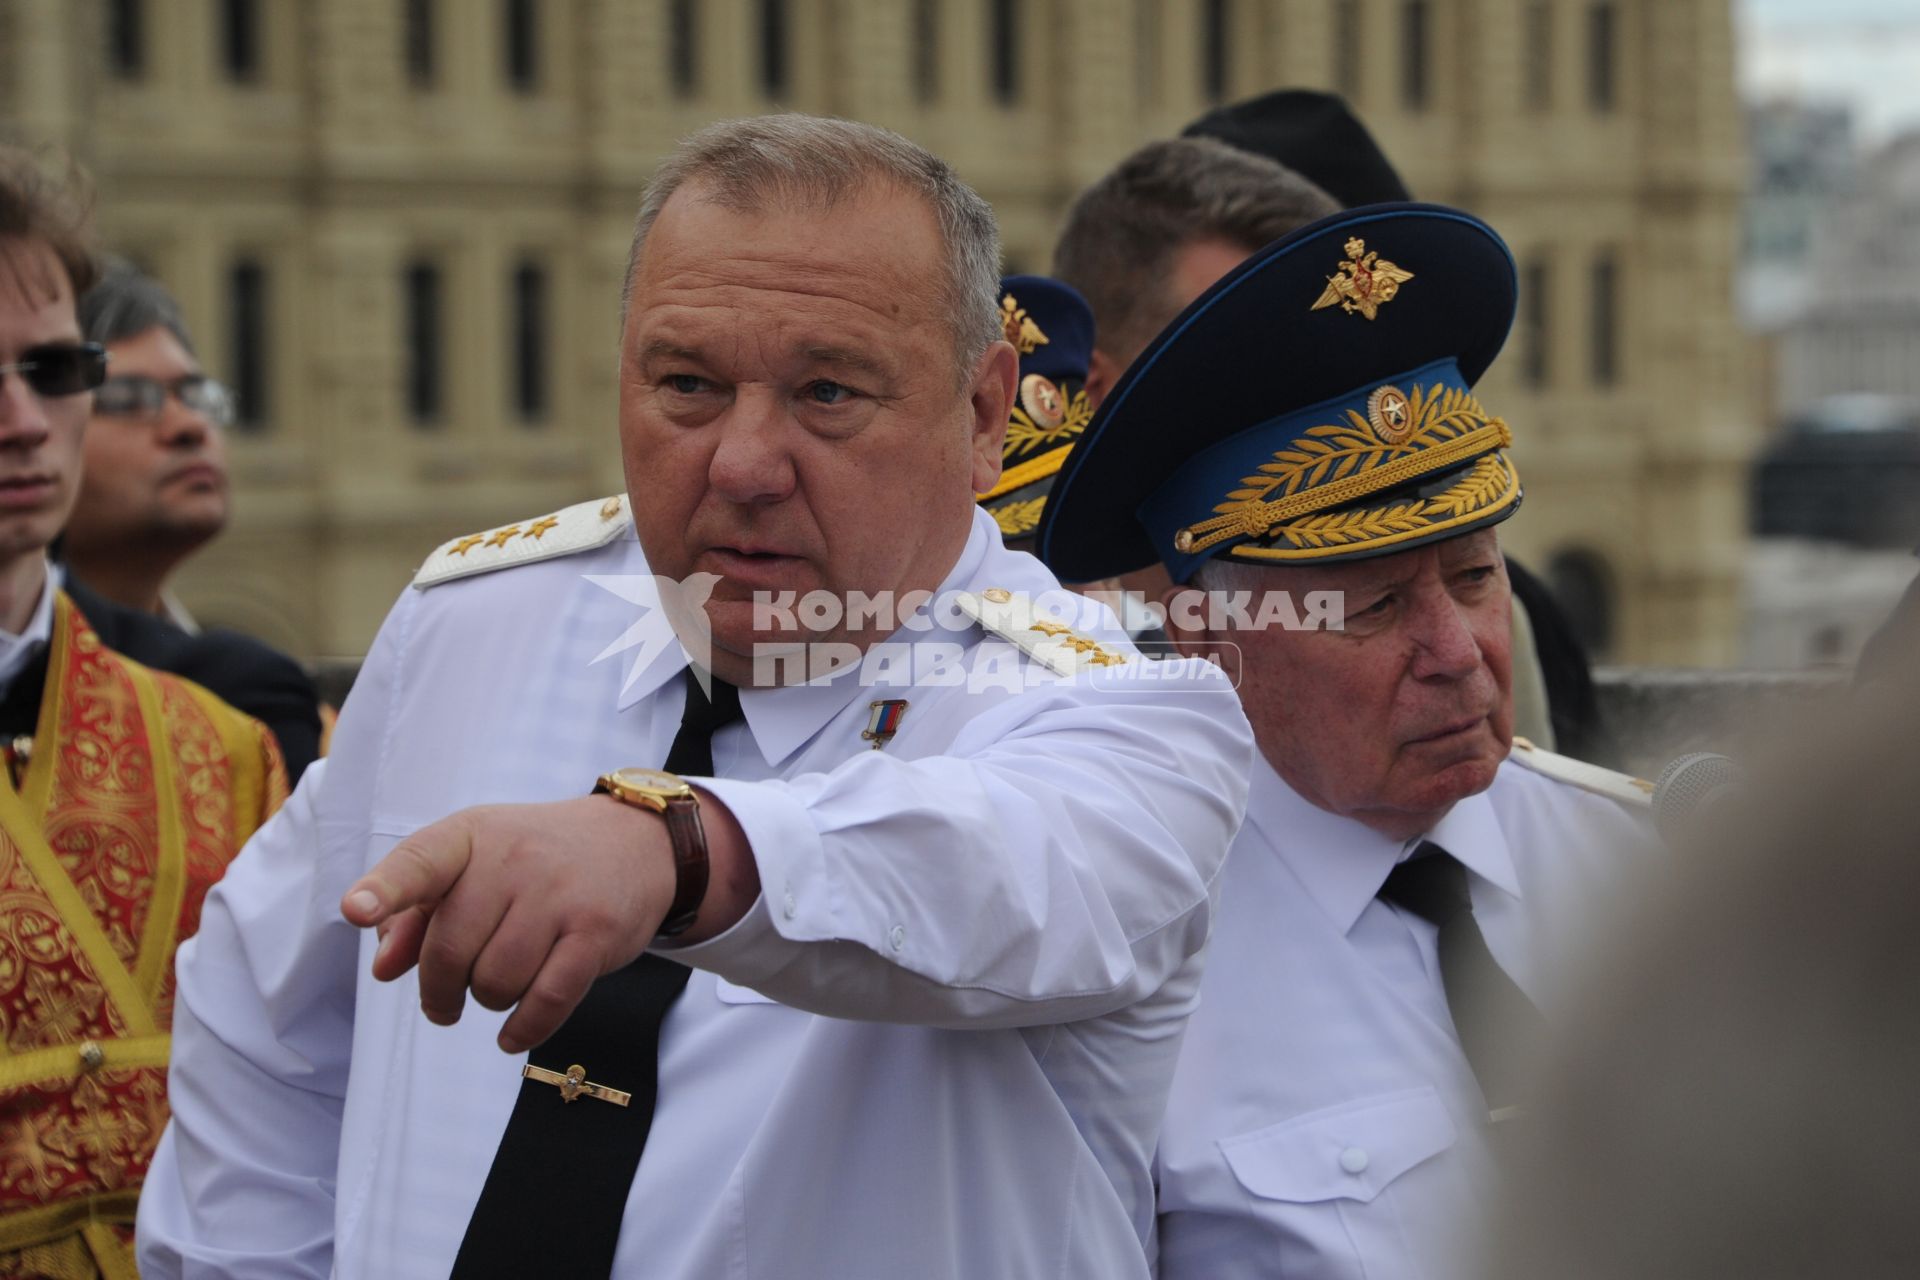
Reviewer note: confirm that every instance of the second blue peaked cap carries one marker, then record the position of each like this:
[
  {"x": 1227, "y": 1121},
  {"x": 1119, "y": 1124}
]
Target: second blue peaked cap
[{"x": 1315, "y": 404}]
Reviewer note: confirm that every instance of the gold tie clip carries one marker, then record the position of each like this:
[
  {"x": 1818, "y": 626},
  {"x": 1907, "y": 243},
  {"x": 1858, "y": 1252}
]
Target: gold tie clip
[{"x": 575, "y": 1085}]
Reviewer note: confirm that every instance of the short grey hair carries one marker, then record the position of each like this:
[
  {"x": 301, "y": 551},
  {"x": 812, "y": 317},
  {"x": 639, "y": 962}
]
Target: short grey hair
[
  {"x": 1122, "y": 232},
  {"x": 814, "y": 162},
  {"x": 126, "y": 303}
]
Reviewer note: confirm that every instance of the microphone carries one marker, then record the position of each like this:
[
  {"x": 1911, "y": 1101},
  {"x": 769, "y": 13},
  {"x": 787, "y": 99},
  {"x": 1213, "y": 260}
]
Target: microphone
[{"x": 1691, "y": 787}]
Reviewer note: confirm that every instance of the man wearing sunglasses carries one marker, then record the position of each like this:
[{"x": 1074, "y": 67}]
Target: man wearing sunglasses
[
  {"x": 124, "y": 793},
  {"x": 153, "y": 491}
]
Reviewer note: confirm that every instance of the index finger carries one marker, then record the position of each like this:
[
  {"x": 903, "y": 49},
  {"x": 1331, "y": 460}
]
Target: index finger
[{"x": 419, "y": 870}]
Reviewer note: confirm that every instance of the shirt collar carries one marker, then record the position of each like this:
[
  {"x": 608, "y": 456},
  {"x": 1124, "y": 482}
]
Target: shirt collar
[
  {"x": 784, "y": 719},
  {"x": 16, "y": 651},
  {"x": 1471, "y": 833},
  {"x": 1343, "y": 862}
]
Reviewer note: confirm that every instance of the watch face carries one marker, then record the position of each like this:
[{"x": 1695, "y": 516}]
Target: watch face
[{"x": 656, "y": 781}]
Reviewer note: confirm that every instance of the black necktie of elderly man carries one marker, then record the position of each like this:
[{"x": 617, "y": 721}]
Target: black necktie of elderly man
[
  {"x": 558, "y": 1187},
  {"x": 1492, "y": 1016}
]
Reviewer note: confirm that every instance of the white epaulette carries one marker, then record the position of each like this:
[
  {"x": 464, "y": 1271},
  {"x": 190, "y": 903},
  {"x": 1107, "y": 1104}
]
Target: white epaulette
[
  {"x": 577, "y": 528},
  {"x": 1637, "y": 792},
  {"x": 1048, "y": 641}
]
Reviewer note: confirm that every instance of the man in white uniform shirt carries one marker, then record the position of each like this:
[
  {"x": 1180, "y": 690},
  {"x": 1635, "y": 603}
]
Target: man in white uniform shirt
[
  {"x": 943, "y": 940},
  {"x": 1392, "y": 904}
]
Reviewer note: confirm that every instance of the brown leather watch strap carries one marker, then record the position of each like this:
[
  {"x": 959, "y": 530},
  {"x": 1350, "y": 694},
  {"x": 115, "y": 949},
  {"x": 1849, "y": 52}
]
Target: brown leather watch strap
[{"x": 689, "y": 864}]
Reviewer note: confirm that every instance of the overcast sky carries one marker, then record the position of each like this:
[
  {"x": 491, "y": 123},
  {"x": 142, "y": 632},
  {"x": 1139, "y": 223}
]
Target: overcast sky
[{"x": 1865, "y": 53}]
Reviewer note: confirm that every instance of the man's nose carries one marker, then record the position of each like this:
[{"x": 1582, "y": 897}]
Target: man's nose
[
  {"x": 753, "y": 462},
  {"x": 23, "y": 415},
  {"x": 181, "y": 427},
  {"x": 1446, "y": 648}
]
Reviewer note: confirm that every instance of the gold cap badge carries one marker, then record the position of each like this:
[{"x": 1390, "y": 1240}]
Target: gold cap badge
[
  {"x": 1020, "y": 329},
  {"x": 1390, "y": 415},
  {"x": 1365, "y": 282},
  {"x": 1042, "y": 401}
]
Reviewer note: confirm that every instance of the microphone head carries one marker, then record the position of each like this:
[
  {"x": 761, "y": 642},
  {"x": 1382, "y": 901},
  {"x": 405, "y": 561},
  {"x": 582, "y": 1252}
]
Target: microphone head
[{"x": 1689, "y": 785}]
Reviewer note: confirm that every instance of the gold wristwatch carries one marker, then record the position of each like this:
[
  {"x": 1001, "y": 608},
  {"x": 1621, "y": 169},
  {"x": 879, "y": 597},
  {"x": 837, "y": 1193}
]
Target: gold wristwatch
[{"x": 668, "y": 795}]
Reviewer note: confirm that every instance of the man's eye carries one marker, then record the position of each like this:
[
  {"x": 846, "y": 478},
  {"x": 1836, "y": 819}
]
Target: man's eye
[
  {"x": 1378, "y": 609},
  {"x": 686, "y": 384},
  {"x": 829, "y": 392},
  {"x": 1478, "y": 574}
]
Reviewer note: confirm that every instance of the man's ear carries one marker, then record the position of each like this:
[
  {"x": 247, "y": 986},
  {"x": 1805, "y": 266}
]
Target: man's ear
[
  {"x": 1189, "y": 625},
  {"x": 1102, "y": 372},
  {"x": 990, "y": 400}
]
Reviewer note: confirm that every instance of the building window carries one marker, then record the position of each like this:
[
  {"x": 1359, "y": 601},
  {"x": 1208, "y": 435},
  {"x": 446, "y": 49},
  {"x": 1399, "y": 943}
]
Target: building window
[
  {"x": 422, "y": 306},
  {"x": 1602, "y": 56},
  {"x": 126, "y": 39},
  {"x": 1536, "y": 334},
  {"x": 683, "y": 48},
  {"x": 530, "y": 380},
  {"x": 1346, "y": 48},
  {"x": 773, "y": 48},
  {"x": 1216, "y": 22},
  {"x": 1537, "y": 73},
  {"x": 1414, "y": 39},
  {"x": 1606, "y": 320},
  {"x": 1003, "y": 49},
  {"x": 417, "y": 23},
  {"x": 249, "y": 340},
  {"x": 926, "y": 50},
  {"x": 520, "y": 20},
  {"x": 240, "y": 40}
]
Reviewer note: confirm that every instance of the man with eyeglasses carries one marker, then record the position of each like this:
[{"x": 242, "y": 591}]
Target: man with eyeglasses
[
  {"x": 153, "y": 491},
  {"x": 124, "y": 793},
  {"x": 154, "y": 488}
]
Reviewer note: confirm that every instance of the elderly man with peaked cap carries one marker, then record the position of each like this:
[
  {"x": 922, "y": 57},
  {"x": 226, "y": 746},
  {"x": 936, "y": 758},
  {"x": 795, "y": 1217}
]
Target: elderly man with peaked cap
[
  {"x": 878, "y": 977},
  {"x": 1303, "y": 446},
  {"x": 1316, "y": 134}
]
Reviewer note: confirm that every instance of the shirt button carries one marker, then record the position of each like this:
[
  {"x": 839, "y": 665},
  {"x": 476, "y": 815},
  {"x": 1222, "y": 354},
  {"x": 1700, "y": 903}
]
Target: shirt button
[
  {"x": 898, "y": 937},
  {"x": 788, "y": 905},
  {"x": 1353, "y": 1160}
]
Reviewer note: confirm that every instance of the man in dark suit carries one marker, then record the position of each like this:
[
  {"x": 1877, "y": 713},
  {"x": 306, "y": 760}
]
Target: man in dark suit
[{"x": 153, "y": 491}]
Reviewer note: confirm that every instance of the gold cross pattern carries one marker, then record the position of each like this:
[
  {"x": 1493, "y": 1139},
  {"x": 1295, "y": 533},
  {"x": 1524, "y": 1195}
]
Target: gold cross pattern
[{"x": 574, "y": 1085}]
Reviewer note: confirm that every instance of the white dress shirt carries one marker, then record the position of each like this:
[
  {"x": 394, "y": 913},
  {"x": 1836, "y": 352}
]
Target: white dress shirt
[
  {"x": 938, "y": 1045},
  {"x": 16, "y": 651},
  {"x": 1324, "y": 1123}
]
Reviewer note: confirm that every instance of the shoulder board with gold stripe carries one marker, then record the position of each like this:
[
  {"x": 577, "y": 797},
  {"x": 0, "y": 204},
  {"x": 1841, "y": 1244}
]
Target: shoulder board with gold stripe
[
  {"x": 1048, "y": 641},
  {"x": 1637, "y": 792},
  {"x": 581, "y": 527}
]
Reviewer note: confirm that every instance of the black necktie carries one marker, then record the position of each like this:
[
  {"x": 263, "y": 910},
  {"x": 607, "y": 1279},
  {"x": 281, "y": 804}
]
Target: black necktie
[
  {"x": 1491, "y": 1015},
  {"x": 558, "y": 1188}
]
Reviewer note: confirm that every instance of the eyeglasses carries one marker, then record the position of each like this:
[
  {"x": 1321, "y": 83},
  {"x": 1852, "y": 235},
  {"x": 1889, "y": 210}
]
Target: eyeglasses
[
  {"x": 133, "y": 396},
  {"x": 61, "y": 368}
]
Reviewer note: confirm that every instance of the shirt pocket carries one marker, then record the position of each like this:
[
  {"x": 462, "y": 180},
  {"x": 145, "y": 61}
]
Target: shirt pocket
[
  {"x": 734, "y": 993},
  {"x": 1323, "y": 1179}
]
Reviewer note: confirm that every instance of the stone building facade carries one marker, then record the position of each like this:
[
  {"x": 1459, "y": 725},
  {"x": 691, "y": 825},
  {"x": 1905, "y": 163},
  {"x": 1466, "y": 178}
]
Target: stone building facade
[{"x": 399, "y": 226}]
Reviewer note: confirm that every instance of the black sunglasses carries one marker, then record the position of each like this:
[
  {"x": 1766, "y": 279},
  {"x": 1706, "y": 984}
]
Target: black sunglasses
[{"x": 61, "y": 368}]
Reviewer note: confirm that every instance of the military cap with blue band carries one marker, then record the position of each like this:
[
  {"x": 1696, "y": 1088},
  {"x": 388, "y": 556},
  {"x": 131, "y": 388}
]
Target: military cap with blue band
[
  {"x": 1315, "y": 404},
  {"x": 1051, "y": 326}
]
